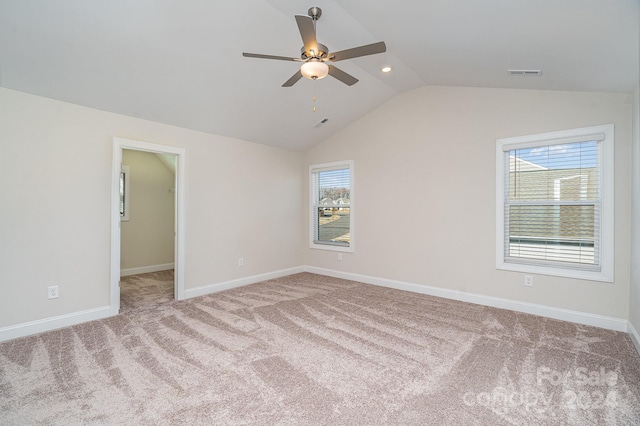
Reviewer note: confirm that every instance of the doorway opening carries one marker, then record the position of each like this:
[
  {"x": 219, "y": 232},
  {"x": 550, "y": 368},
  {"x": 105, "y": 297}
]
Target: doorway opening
[
  {"x": 127, "y": 253},
  {"x": 147, "y": 229}
]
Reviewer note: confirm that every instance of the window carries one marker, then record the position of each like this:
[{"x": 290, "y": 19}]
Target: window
[
  {"x": 554, "y": 196},
  {"x": 331, "y": 206},
  {"x": 124, "y": 193}
]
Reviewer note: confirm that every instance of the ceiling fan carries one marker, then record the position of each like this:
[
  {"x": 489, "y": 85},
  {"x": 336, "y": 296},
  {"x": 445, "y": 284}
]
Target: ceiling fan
[{"x": 314, "y": 56}]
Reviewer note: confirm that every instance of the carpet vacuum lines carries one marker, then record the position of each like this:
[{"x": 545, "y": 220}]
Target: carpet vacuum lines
[{"x": 308, "y": 349}]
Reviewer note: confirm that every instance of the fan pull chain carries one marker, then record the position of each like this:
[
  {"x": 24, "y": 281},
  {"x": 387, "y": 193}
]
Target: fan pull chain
[{"x": 313, "y": 98}]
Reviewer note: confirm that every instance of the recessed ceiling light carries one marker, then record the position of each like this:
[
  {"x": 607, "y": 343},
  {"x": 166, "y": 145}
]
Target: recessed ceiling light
[{"x": 385, "y": 69}]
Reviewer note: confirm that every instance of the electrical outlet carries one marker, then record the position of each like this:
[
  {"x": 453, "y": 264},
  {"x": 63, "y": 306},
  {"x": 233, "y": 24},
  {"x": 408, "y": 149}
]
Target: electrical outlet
[
  {"x": 528, "y": 281},
  {"x": 53, "y": 292},
  {"x": 240, "y": 262},
  {"x": 339, "y": 256}
]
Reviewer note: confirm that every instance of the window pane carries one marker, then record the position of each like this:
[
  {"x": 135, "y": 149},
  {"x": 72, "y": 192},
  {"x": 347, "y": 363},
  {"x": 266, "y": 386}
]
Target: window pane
[
  {"x": 333, "y": 224},
  {"x": 125, "y": 177},
  {"x": 332, "y": 206},
  {"x": 333, "y": 187},
  {"x": 555, "y": 233},
  {"x": 122, "y": 193},
  {"x": 558, "y": 172},
  {"x": 552, "y": 209}
]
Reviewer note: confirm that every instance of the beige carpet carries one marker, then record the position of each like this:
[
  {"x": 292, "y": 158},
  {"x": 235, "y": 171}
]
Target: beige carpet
[
  {"x": 308, "y": 349},
  {"x": 145, "y": 291}
]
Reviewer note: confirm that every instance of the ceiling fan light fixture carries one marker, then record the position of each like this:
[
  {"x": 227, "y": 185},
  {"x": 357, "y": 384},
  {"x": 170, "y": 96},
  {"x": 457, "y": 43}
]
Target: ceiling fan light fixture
[
  {"x": 314, "y": 54},
  {"x": 314, "y": 70}
]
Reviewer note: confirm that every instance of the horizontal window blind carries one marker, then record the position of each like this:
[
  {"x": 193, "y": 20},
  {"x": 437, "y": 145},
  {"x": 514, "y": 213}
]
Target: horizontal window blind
[{"x": 553, "y": 204}]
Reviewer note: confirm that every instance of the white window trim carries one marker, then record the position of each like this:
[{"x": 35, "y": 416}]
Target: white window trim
[
  {"x": 606, "y": 248},
  {"x": 335, "y": 165}
]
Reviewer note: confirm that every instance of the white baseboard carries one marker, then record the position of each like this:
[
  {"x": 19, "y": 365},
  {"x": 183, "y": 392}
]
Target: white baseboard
[
  {"x": 611, "y": 323},
  {"x": 226, "y": 285},
  {"x": 635, "y": 337},
  {"x": 601, "y": 321},
  {"x": 146, "y": 269},
  {"x": 48, "y": 324}
]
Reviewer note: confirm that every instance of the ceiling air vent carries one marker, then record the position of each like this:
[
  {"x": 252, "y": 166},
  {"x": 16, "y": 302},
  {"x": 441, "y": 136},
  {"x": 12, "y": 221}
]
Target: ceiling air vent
[
  {"x": 532, "y": 73},
  {"x": 321, "y": 122}
]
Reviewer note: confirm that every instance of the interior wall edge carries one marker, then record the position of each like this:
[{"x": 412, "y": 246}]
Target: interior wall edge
[{"x": 239, "y": 282}]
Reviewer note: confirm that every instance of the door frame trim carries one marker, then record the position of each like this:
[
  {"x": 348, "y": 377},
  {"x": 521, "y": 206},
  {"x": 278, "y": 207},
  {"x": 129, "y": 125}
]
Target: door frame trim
[{"x": 179, "y": 226}]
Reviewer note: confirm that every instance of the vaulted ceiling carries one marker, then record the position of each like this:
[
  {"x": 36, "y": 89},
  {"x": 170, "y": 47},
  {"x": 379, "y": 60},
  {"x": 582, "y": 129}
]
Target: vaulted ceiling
[{"x": 181, "y": 63}]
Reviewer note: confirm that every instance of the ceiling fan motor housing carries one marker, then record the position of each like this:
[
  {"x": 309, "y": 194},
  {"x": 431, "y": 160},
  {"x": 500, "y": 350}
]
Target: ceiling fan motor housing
[{"x": 322, "y": 52}]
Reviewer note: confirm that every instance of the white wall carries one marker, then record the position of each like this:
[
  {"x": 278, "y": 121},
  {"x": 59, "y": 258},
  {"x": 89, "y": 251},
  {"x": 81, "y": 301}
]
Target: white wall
[
  {"x": 425, "y": 191},
  {"x": 634, "y": 299},
  {"x": 433, "y": 148},
  {"x": 242, "y": 199},
  {"x": 147, "y": 238}
]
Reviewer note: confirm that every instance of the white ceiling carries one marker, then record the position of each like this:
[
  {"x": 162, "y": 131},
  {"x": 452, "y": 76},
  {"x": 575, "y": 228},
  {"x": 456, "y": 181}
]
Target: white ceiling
[{"x": 181, "y": 63}]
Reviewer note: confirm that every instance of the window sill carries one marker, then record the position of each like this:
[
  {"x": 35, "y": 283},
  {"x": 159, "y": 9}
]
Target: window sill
[
  {"x": 556, "y": 272},
  {"x": 331, "y": 247}
]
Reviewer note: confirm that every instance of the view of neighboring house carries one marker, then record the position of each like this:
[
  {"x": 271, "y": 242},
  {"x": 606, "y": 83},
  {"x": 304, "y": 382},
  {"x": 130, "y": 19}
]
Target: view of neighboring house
[{"x": 552, "y": 207}]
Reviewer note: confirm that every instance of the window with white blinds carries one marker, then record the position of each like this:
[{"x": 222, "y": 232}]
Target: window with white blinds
[
  {"x": 556, "y": 202},
  {"x": 331, "y": 205}
]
